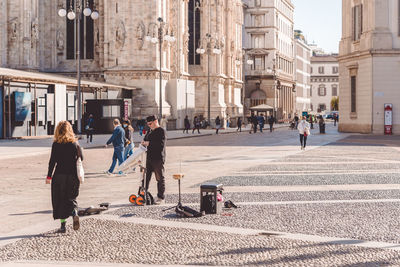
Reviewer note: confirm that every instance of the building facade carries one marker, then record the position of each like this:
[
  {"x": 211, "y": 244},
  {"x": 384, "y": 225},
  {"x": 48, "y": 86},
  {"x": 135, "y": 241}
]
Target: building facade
[
  {"x": 324, "y": 83},
  {"x": 269, "y": 42},
  {"x": 303, "y": 75},
  {"x": 122, "y": 47},
  {"x": 369, "y": 55}
]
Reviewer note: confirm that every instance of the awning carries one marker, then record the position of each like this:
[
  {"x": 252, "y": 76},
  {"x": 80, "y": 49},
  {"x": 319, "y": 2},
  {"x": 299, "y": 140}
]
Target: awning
[
  {"x": 14, "y": 75},
  {"x": 262, "y": 107}
]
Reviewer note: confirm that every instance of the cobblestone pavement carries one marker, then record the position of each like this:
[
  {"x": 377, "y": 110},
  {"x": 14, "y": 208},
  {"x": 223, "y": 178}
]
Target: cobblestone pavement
[{"x": 354, "y": 223}]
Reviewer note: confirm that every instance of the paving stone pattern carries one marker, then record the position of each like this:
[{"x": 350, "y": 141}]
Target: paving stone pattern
[
  {"x": 292, "y": 196},
  {"x": 119, "y": 242},
  {"x": 365, "y": 221}
]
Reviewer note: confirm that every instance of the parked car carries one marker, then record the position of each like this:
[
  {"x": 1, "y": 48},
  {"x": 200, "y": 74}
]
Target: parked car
[{"x": 330, "y": 115}]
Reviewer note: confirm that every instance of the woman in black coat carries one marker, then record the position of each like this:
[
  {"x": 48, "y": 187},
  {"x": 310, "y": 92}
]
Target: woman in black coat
[{"x": 64, "y": 181}]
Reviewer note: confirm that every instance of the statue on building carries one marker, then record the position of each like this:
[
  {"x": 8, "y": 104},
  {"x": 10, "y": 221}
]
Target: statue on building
[
  {"x": 60, "y": 41},
  {"x": 140, "y": 33},
  {"x": 120, "y": 35}
]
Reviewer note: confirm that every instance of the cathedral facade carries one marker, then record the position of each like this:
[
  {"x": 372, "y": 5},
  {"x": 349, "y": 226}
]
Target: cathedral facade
[{"x": 122, "y": 47}]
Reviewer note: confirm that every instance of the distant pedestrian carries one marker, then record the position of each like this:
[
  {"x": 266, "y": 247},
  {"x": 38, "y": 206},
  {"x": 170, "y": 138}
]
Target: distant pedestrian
[
  {"x": 65, "y": 151},
  {"x": 321, "y": 125},
  {"x": 239, "y": 124},
  {"x": 311, "y": 121},
  {"x": 271, "y": 122},
  {"x": 261, "y": 122},
  {"x": 140, "y": 124},
  {"x": 89, "y": 128},
  {"x": 296, "y": 121},
  {"x": 164, "y": 122},
  {"x": 335, "y": 119},
  {"x": 118, "y": 141},
  {"x": 254, "y": 122},
  {"x": 186, "y": 123},
  {"x": 196, "y": 124},
  {"x": 128, "y": 149},
  {"x": 228, "y": 120},
  {"x": 304, "y": 131},
  {"x": 217, "y": 124}
]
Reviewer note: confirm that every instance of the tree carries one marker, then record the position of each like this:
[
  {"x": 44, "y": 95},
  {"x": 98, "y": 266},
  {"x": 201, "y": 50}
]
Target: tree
[{"x": 335, "y": 103}]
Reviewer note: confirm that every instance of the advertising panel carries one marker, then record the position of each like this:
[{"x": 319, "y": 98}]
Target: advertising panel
[
  {"x": 388, "y": 118},
  {"x": 22, "y": 106}
]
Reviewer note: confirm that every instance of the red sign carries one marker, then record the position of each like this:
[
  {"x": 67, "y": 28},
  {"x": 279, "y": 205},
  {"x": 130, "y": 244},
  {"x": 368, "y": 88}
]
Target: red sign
[
  {"x": 126, "y": 110},
  {"x": 388, "y": 118}
]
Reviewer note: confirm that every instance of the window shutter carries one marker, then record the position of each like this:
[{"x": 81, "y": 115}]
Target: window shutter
[
  {"x": 360, "y": 22},
  {"x": 353, "y": 23}
]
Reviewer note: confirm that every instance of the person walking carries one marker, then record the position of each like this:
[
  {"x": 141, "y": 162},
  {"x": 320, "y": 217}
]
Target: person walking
[
  {"x": 335, "y": 119},
  {"x": 89, "y": 128},
  {"x": 65, "y": 151},
  {"x": 239, "y": 124},
  {"x": 254, "y": 122},
  {"x": 196, "y": 124},
  {"x": 186, "y": 123},
  {"x": 321, "y": 125},
  {"x": 118, "y": 141},
  {"x": 155, "y": 142},
  {"x": 228, "y": 120},
  {"x": 271, "y": 122},
  {"x": 128, "y": 149},
  {"x": 261, "y": 122},
  {"x": 296, "y": 121},
  {"x": 217, "y": 124},
  {"x": 311, "y": 120},
  {"x": 140, "y": 123},
  {"x": 304, "y": 131},
  {"x": 164, "y": 122}
]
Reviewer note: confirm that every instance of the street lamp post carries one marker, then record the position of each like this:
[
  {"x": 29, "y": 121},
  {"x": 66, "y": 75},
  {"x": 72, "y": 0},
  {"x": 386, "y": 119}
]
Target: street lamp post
[
  {"x": 249, "y": 62},
  {"x": 273, "y": 72},
  {"x": 206, "y": 42},
  {"x": 71, "y": 15},
  {"x": 150, "y": 37}
]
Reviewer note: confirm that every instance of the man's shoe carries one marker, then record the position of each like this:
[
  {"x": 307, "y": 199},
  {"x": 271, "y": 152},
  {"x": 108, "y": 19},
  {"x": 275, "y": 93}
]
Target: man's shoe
[
  {"x": 62, "y": 229},
  {"x": 75, "y": 220},
  {"x": 107, "y": 172},
  {"x": 121, "y": 173},
  {"x": 159, "y": 201}
]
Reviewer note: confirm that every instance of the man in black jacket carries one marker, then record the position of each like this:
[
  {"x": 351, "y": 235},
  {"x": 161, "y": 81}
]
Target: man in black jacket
[{"x": 155, "y": 143}]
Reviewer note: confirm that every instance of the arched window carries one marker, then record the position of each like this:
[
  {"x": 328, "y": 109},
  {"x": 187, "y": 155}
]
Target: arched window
[
  {"x": 194, "y": 31},
  {"x": 87, "y": 33},
  {"x": 258, "y": 97}
]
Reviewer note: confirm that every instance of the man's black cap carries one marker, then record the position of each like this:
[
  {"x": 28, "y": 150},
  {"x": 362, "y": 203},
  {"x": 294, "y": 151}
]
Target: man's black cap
[{"x": 151, "y": 118}]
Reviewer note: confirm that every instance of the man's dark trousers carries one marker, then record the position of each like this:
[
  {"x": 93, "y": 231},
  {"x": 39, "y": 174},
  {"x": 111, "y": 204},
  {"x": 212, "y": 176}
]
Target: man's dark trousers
[{"x": 156, "y": 166}]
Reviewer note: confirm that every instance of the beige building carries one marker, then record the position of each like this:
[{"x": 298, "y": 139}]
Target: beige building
[
  {"x": 303, "y": 74},
  {"x": 269, "y": 42},
  {"x": 121, "y": 47},
  {"x": 324, "y": 82},
  {"x": 369, "y": 57}
]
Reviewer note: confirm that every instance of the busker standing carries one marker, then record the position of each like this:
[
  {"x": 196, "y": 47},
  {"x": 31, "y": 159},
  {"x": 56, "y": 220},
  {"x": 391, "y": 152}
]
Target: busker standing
[
  {"x": 186, "y": 123},
  {"x": 196, "y": 124},
  {"x": 155, "y": 142},
  {"x": 89, "y": 128},
  {"x": 128, "y": 149},
  {"x": 304, "y": 131},
  {"x": 239, "y": 124},
  {"x": 217, "y": 124},
  {"x": 64, "y": 182},
  {"x": 271, "y": 121},
  {"x": 118, "y": 141}
]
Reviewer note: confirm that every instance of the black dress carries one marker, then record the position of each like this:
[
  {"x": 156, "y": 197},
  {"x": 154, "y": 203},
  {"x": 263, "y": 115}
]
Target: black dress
[{"x": 65, "y": 182}]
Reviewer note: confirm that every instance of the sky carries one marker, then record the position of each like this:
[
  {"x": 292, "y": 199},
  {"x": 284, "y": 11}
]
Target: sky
[{"x": 320, "y": 21}]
